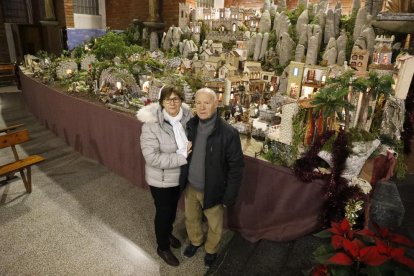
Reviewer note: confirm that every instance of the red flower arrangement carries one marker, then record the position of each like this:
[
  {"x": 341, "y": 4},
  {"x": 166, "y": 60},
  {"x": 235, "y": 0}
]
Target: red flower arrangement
[{"x": 363, "y": 252}]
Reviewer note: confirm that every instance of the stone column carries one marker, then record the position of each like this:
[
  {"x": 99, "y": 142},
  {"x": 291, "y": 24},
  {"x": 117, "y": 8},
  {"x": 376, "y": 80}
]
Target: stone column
[
  {"x": 153, "y": 9},
  {"x": 153, "y": 25}
]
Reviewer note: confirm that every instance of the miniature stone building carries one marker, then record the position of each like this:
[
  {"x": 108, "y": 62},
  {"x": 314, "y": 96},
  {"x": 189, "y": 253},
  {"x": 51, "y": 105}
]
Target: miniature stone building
[{"x": 359, "y": 60}]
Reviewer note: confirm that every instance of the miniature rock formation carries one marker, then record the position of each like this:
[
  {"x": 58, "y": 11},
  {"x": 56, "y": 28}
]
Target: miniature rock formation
[
  {"x": 312, "y": 51},
  {"x": 284, "y": 48},
  {"x": 329, "y": 26},
  {"x": 265, "y": 43},
  {"x": 265, "y": 22},
  {"x": 300, "y": 53},
  {"x": 258, "y": 46},
  {"x": 360, "y": 21}
]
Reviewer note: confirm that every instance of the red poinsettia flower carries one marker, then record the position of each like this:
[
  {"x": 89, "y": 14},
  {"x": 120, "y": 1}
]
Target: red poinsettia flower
[
  {"x": 386, "y": 235},
  {"x": 337, "y": 241},
  {"x": 320, "y": 270},
  {"x": 341, "y": 258},
  {"x": 343, "y": 229},
  {"x": 397, "y": 254},
  {"x": 356, "y": 250}
]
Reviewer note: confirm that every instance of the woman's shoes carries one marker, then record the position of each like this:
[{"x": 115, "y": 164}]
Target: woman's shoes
[
  {"x": 174, "y": 242},
  {"x": 168, "y": 257}
]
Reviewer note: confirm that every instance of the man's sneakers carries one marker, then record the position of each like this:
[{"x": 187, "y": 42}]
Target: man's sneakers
[
  {"x": 190, "y": 250},
  {"x": 168, "y": 257},
  {"x": 209, "y": 259}
]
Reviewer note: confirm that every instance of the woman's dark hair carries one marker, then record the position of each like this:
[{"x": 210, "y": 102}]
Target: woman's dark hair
[{"x": 168, "y": 90}]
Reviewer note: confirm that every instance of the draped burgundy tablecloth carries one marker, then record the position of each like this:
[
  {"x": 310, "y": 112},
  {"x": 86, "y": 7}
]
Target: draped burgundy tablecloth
[
  {"x": 272, "y": 204},
  {"x": 111, "y": 138}
]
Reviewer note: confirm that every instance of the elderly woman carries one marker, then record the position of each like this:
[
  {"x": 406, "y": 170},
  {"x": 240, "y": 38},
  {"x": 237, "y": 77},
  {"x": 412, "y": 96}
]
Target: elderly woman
[{"x": 165, "y": 148}]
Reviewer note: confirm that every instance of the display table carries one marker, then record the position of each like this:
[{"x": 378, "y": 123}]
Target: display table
[{"x": 272, "y": 204}]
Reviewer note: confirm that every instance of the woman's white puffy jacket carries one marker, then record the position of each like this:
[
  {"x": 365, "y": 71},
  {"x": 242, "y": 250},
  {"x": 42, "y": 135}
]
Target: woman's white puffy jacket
[{"x": 162, "y": 163}]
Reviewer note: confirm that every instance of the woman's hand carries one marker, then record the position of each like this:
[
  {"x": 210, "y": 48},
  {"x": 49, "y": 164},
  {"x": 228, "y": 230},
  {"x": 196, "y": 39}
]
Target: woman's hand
[{"x": 189, "y": 147}]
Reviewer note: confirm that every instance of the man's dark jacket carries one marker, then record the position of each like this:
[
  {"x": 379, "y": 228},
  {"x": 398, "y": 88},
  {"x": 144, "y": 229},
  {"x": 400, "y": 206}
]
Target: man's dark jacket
[{"x": 223, "y": 165}]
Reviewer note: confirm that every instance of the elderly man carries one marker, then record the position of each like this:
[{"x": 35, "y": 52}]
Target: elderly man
[{"x": 212, "y": 176}]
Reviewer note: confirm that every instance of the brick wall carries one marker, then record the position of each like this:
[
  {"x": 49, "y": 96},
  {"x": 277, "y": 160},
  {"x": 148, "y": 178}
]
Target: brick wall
[
  {"x": 4, "y": 49},
  {"x": 120, "y": 13},
  {"x": 68, "y": 13},
  {"x": 170, "y": 12}
]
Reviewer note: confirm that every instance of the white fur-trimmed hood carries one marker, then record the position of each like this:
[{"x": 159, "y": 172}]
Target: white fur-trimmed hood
[{"x": 149, "y": 113}]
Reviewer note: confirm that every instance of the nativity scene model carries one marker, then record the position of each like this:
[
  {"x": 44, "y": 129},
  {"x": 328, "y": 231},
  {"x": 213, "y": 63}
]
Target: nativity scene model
[
  {"x": 302, "y": 86},
  {"x": 316, "y": 90}
]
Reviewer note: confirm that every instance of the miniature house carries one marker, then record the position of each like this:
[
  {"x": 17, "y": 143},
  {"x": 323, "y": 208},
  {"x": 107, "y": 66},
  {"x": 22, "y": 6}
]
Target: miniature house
[
  {"x": 359, "y": 60},
  {"x": 217, "y": 48},
  {"x": 185, "y": 66},
  {"x": 231, "y": 57},
  {"x": 214, "y": 61},
  {"x": 252, "y": 70},
  {"x": 314, "y": 78},
  {"x": 382, "y": 55},
  {"x": 206, "y": 54},
  {"x": 226, "y": 71},
  {"x": 295, "y": 76},
  {"x": 208, "y": 70},
  {"x": 241, "y": 49},
  {"x": 196, "y": 66}
]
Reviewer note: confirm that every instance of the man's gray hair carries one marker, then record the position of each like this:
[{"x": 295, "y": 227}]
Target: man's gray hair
[{"x": 206, "y": 91}]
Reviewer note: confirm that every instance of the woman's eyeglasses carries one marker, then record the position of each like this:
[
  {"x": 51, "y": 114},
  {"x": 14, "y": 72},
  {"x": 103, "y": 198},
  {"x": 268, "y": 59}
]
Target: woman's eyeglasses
[{"x": 172, "y": 100}]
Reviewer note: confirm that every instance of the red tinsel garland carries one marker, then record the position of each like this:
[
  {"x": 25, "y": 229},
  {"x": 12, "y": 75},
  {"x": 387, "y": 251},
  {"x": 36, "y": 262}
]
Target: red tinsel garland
[{"x": 336, "y": 192}]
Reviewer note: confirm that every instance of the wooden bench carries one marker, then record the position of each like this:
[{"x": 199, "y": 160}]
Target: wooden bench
[
  {"x": 8, "y": 129},
  {"x": 19, "y": 165},
  {"x": 7, "y": 73}
]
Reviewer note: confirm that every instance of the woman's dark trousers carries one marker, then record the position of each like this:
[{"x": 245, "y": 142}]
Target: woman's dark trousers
[{"x": 166, "y": 200}]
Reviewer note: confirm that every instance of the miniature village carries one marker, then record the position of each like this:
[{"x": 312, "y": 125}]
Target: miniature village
[{"x": 282, "y": 77}]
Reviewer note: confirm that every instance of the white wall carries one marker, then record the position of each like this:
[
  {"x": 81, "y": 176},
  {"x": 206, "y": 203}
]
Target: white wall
[{"x": 87, "y": 21}]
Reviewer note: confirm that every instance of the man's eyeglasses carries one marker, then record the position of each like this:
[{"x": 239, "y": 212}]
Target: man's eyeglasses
[{"x": 172, "y": 100}]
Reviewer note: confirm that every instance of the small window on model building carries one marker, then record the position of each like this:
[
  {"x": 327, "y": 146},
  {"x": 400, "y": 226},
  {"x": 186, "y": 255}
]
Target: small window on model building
[{"x": 295, "y": 71}]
